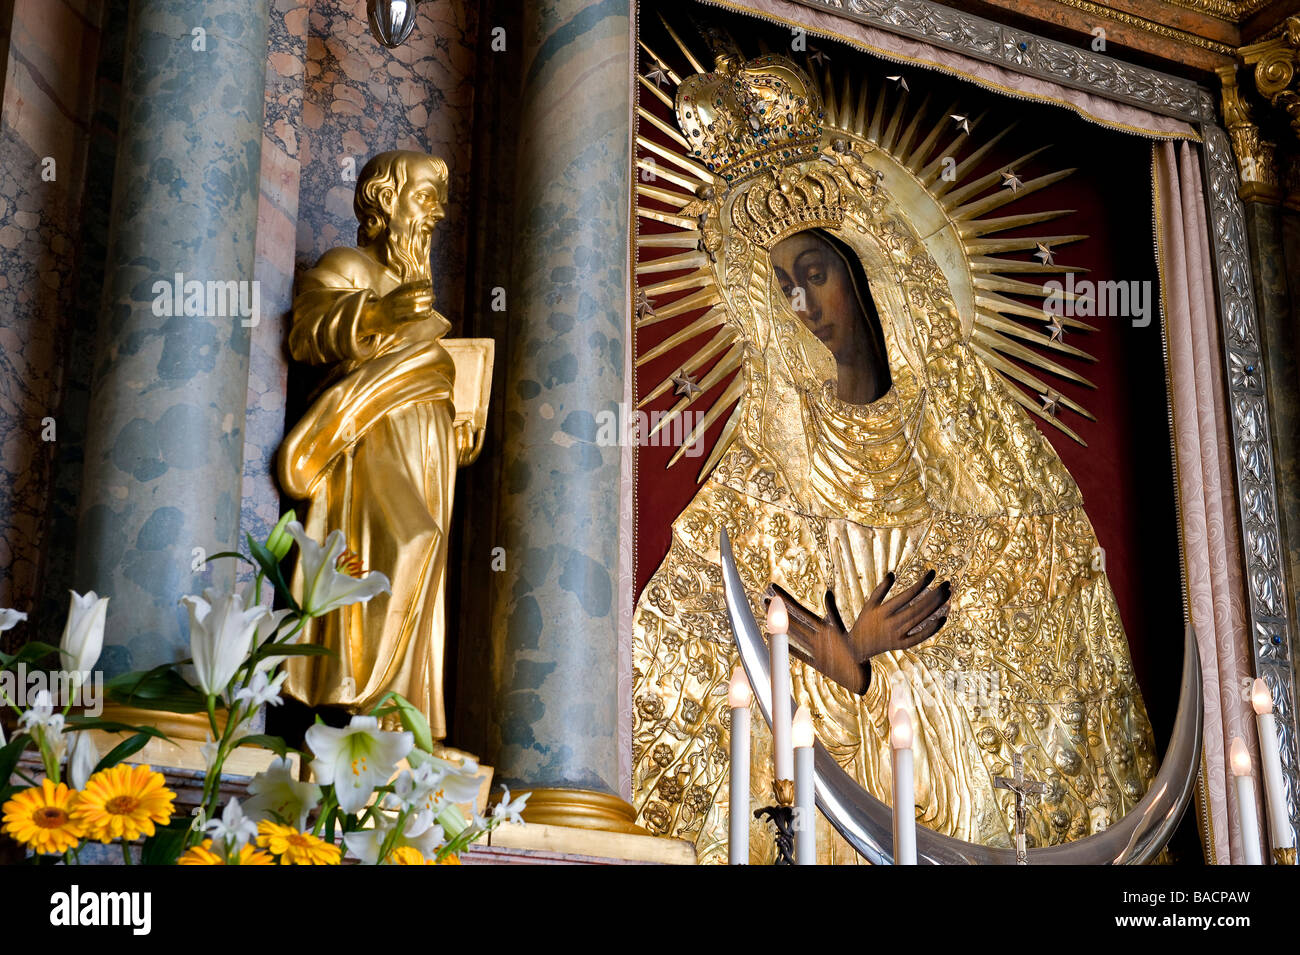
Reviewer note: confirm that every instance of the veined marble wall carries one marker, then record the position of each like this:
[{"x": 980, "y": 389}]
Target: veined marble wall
[
  {"x": 334, "y": 97},
  {"x": 361, "y": 99},
  {"x": 277, "y": 223},
  {"x": 43, "y": 160}
]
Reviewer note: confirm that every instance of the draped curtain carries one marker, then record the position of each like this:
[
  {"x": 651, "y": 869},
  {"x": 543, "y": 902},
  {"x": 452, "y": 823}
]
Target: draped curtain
[{"x": 1208, "y": 512}]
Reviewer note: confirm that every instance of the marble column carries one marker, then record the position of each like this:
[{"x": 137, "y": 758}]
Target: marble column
[
  {"x": 164, "y": 445},
  {"x": 555, "y": 618}
]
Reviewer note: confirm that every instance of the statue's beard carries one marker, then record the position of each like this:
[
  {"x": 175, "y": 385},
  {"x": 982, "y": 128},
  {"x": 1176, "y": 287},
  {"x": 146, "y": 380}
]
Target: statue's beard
[{"x": 408, "y": 250}]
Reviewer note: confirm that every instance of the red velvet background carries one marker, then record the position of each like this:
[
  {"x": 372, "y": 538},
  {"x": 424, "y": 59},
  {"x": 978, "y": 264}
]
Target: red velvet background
[{"x": 1125, "y": 472}]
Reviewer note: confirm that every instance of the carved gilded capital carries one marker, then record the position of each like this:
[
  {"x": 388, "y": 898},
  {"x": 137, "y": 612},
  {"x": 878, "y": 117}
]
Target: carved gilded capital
[
  {"x": 1275, "y": 63},
  {"x": 1256, "y": 157}
]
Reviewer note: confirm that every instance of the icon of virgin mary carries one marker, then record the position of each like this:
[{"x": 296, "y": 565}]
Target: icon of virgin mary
[{"x": 880, "y": 467}]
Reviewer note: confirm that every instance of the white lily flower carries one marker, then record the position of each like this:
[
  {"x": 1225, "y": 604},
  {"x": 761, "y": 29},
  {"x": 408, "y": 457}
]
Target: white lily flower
[
  {"x": 40, "y": 716},
  {"x": 421, "y": 832},
  {"x": 208, "y": 750},
  {"x": 83, "y": 634},
  {"x": 325, "y": 587},
  {"x": 356, "y": 759},
  {"x": 435, "y": 784},
  {"x": 366, "y": 843},
  {"x": 507, "y": 811},
  {"x": 268, "y": 629},
  {"x": 404, "y": 792},
  {"x": 83, "y": 757},
  {"x": 261, "y": 691},
  {"x": 234, "y": 830},
  {"x": 275, "y": 792},
  {"x": 221, "y": 637},
  {"x": 45, "y": 724},
  {"x": 462, "y": 784},
  {"x": 10, "y": 618}
]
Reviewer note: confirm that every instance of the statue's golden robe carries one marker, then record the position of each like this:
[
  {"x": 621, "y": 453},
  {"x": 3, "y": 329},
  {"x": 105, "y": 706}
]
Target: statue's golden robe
[
  {"x": 376, "y": 456},
  {"x": 945, "y": 471}
]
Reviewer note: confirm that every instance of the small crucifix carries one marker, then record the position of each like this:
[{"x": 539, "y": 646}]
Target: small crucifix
[{"x": 1022, "y": 787}]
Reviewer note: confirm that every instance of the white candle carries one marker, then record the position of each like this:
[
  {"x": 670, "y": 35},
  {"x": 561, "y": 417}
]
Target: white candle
[
  {"x": 1270, "y": 759},
  {"x": 1240, "y": 760},
  {"x": 900, "y": 739},
  {"x": 778, "y": 625},
  {"x": 805, "y": 802},
  {"x": 739, "y": 696}
]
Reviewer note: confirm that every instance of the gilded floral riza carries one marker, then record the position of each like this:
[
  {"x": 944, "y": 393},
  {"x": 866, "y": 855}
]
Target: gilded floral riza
[{"x": 946, "y": 470}]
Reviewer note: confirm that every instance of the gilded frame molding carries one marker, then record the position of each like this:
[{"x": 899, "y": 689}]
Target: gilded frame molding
[
  {"x": 1269, "y": 614},
  {"x": 1029, "y": 53}
]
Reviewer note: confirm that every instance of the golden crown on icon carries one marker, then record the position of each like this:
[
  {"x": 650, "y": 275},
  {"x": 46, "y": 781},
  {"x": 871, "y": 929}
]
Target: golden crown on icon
[
  {"x": 745, "y": 118},
  {"x": 788, "y": 202},
  {"x": 752, "y": 125}
]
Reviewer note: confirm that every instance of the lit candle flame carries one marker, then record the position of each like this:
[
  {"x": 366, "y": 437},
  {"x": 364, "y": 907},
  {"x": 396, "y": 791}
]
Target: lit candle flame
[
  {"x": 1260, "y": 697},
  {"x": 900, "y": 728},
  {"x": 1239, "y": 758},
  {"x": 777, "y": 619},
  {"x": 739, "y": 694},
  {"x": 801, "y": 732}
]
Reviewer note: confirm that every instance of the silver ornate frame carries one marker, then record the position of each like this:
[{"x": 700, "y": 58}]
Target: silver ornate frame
[{"x": 1269, "y": 615}]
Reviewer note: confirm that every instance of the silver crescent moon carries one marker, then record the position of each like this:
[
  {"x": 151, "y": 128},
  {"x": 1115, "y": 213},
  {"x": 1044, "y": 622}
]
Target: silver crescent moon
[{"x": 866, "y": 823}]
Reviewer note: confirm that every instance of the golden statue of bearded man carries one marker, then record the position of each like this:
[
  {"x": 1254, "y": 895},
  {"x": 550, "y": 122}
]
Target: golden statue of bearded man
[
  {"x": 377, "y": 452},
  {"x": 875, "y": 443}
]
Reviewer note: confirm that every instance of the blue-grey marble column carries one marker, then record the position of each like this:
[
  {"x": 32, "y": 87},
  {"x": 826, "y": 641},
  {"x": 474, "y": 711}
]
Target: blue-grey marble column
[
  {"x": 556, "y": 604},
  {"x": 164, "y": 444}
]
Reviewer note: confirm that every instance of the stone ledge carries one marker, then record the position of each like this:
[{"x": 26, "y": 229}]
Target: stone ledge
[{"x": 536, "y": 844}]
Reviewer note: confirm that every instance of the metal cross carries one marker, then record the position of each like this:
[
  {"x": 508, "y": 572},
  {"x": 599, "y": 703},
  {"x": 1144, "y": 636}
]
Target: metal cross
[{"x": 1022, "y": 787}]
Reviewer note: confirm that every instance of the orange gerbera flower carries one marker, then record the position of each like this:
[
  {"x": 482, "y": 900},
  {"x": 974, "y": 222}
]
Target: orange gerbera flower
[
  {"x": 406, "y": 855},
  {"x": 294, "y": 847},
  {"x": 123, "y": 803},
  {"x": 202, "y": 854},
  {"x": 449, "y": 859},
  {"x": 41, "y": 818}
]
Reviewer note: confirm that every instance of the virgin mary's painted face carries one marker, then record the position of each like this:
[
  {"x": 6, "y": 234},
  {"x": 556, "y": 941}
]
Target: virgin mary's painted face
[{"x": 817, "y": 283}]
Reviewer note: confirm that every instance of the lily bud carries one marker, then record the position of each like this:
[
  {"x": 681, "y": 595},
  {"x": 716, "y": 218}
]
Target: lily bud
[
  {"x": 83, "y": 757},
  {"x": 280, "y": 542},
  {"x": 83, "y": 634}
]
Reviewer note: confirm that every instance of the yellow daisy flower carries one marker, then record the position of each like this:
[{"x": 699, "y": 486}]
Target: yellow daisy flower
[
  {"x": 41, "y": 818},
  {"x": 202, "y": 854},
  {"x": 294, "y": 847},
  {"x": 123, "y": 803},
  {"x": 406, "y": 855},
  {"x": 451, "y": 859}
]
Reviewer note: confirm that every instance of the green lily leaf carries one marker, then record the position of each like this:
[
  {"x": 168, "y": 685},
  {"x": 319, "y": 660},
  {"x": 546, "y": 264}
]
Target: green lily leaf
[
  {"x": 9, "y": 756},
  {"x": 271, "y": 567},
  {"x": 229, "y": 553},
  {"x": 274, "y": 743},
  {"x": 111, "y": 726},
  {"x": 128, "y": 747},
  {"x": 161, "y": 688},
  {"x": 291, "y": 650},
  {"x": 165, "y": 845},
  {"x": 27, "y": 653}
]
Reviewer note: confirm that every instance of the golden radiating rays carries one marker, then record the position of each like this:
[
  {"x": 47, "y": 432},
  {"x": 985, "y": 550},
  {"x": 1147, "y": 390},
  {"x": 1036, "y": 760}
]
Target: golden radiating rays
[{"x": 926, "y": 143}]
